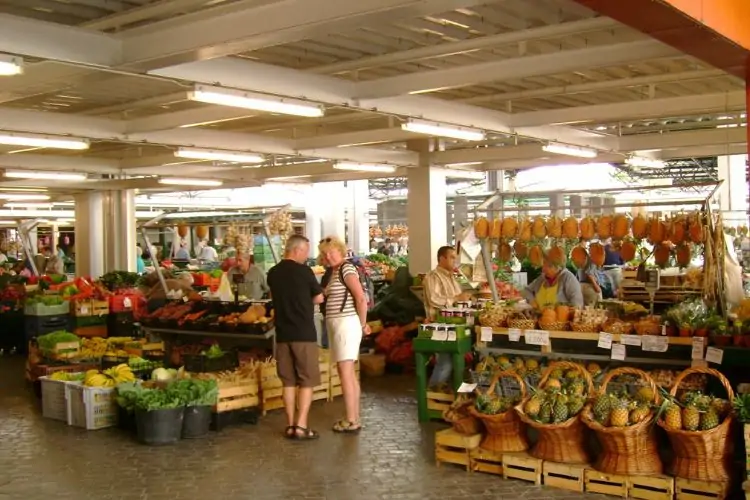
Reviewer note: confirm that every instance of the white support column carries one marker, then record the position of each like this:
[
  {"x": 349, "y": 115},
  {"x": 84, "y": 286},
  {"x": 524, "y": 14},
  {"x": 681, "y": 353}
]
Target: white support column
[
  {"x": 120, "y": 230},
  {"x": 53, "y": 244},
  {"x": 313, "y": 223},
  {"x": 359, "y": 217},
  {"x": 426, "y": 214},
  {"x": 330, "y": 196},
  {"x": 89, "y": 235},
  {"x": 733, "y": 192},
  {"x": 460, "y": 214}
]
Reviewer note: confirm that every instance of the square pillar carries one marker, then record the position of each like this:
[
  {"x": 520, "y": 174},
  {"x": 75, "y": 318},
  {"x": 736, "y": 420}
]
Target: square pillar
[
  {"x": 557, "y": 204},
  {"x": 120, "y": 230},
  {"x": 426, "y": 213},
  {"x": 329, "y": 196},
  {"x": 575, "y": 202},
  {"x": 359, "y": 217},
  {"x": 89, "y": 235}
]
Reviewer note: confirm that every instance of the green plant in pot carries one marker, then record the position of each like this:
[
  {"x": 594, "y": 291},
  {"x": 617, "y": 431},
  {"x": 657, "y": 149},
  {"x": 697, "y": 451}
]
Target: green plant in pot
[
  {"x": 719, "y": 331},
  {"x": 737, "y": 333},
  {"x": 159, "y": 413},
  {"x": 199, "y": 397}
]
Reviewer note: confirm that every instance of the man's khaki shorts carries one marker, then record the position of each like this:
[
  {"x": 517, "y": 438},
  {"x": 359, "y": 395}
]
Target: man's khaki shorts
[{"x": 297, "y": 364}]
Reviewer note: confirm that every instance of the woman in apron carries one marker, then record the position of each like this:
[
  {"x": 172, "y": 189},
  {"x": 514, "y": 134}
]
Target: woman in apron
[{"x": 556, "y": 285}]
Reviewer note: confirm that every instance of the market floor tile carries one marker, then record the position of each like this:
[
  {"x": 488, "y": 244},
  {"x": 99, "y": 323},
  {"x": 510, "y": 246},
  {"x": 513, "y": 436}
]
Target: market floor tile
[{"x": 392, "y": 458}]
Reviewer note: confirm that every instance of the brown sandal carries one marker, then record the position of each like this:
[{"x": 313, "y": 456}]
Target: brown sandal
[{"x": 347, "y": 427}]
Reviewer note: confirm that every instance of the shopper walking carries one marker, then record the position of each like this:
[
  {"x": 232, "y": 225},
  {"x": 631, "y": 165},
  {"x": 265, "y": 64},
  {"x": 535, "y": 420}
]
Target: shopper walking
[
  {"x": 346, "y": 322},
  {"x": 295, "y": 291}
]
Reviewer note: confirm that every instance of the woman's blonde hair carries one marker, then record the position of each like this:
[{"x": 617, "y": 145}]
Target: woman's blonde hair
[{"x": 331, "y": 243}]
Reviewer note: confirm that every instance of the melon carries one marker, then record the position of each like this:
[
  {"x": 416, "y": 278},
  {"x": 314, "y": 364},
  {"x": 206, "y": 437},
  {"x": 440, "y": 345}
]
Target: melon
[
  {"x": 481, "y": 227},
  {"x": 627, "y": 251},
  {"x": 604, "y": 227},
  {"x": 620, "y": 227},
  {"x": 683, "y": 255},
  {"x": 588, "y": 228},
  {"x": 509, "y": 228},
  {"x": 696, "y": 229},
  {"x": 677, "y": 230},
  {"x": 548, "y": 316},
  {"x": 519, "y": 248},
  {"x": 536, "y": 256},
  {"x": 496, "y": 229},
  {"x": 579, "y": 256},
  {"x": 524, "y": 233},
  {"x": 554, "y": 227},
  {"x": 563, "y": 313},
  {"x": 556, "y": 255},
  {"x": 539, "y": 228},
  {"x": 201, "y": 232},
  {"x": 504, "y": 252},
  {"x": 657, "y": 231},
  {"x": 182, "y": 230},
  {"x": 597, "y": 254},
  {"x": 661, "y": 254},
  {"x": 640, "y": 227},
  {"x": 570, "y": 228}
]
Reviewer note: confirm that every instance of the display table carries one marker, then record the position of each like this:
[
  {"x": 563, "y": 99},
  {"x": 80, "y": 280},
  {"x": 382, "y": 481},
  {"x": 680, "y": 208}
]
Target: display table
[
  {"x": 423, "y": 349},
  {"x": 269, "y": 338}
]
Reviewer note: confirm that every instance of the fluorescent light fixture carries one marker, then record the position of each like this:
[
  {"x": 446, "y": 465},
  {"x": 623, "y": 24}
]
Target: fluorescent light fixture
[
  {"x": 288, "y": 177},
  {"x": 218, "y": 155},
  {"x": 43, "y": 141},
  {"x": 53, "y": 176},
  {"x": 642, "y": 161},
  {"x": 465, "y": 174},
  {"x": 23, "y": 197},
  {"x": 251, "y": 100},
  {"x": 364, "y": 167},
  {"x": 27, "y": 205},
  {"x": 564, "y": 149},
  {"x": 443, "y": 130},
  {"x": 10, "y": 65},
  {"x": 180, "y": 181}
]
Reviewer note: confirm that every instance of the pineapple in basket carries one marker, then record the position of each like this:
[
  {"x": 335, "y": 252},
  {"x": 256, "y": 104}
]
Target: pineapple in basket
[
  {"x": 620, "y": 414},
  {"x": 602, "y": 409},
  {"x": 545, "y": 412},
  {"x": 534, "y": 405},
  {"x": 691, "y": 417},
  {"x": 640, "y": 413},
  {"x": 645, "y": 394},
  {"x": 560, "y": 412},
  {"x": 575, "y": 404},
  {"x": 673, "y": 417}
]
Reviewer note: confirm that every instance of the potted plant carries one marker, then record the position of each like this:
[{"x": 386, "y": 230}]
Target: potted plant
[
  {"x": 199, "y": 397},
  {"x": 720, "y": 334},
  {"x": 700, "y": 326},
  {"x": 737, "y": 337},
  {"x": 159, "y": 413}
]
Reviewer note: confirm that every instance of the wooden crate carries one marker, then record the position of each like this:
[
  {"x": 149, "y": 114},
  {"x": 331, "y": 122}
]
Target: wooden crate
[
  {"x": 522, "y": 466},
  {"x": 564, "y": 476},
  {"x": 66, "y": 350},
  {"x": 89, "y": 307},
  {"x": 606, "y": 484},
  {"x": 689, "y": 489},
  {"x": 237, "y": 395},
  {"x": 269, "y": 379},
  {"x": 439, "y": 401},
  {"x": 91, "y": 331},
  {"x": 454, "y": 448},
  {"x": 482, "y": 460},
  {"x": 271, "y": 399},
  {"x": 657, "y": 487}
]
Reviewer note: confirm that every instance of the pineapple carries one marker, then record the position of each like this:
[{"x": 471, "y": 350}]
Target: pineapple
[
  {"x": 602, "y": 405},
  {"x": 554, "y": 384},
  {"x": 572, "y": 374},
  {"x": 593, "y": 369},
  {"x": 495, "y": 406},
  {"x": 639, "y": 414},
  {"x": 504, "y": 362},
  {"x": 620, "y": 415},
  {"x": 557, "y": 373},
  {"x": 482, "y": 402},
  {"x": 673, "y": 417},
  {"x": 709, "y": 420},
  {"x": 722, "y": 407},
  {"x": 575, "y": 405},
  {"x": 645, "y": 395},
  {"x": 518, "y": 364},
  {"x": 545, "y": 413},
  {"x": 533, "y": 405},
  {"x": 691, "y": 418},
  {"x": 532, "y": 364},
  {"x": 560, "y": 411},
  {"x": 577, "y": 387}
]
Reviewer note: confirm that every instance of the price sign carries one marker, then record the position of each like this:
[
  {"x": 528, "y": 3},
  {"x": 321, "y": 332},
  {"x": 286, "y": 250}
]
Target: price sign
[
  {"x": 714, "y": 355},
  {"x": 630, "y": 340},
  {"x": 467, "y": 387},
  {"x": 185, "y": 299},
  {"x": 654, "y": 343},
  {"x": 536, "y": 337},
  {"x": 84, "y": 310},
  {"x": 440, "y": 335},
  {"x": 514, "y": 334},
  {"x": 451, "y": 335},
  {"x": 618, "y": 352},
  {"x": 127, "y": 303},
  {"x": 485, "y": 334},
  {"x": 698, "y": 344},
  {"x": 605, "y": 341}
]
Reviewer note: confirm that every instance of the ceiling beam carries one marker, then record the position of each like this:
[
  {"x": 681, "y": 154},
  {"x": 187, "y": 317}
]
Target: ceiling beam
[
  {"x": 32, "y": 38},
  {"x": 362, "y": 137},
  {"x": 515, "y": 68},
  {"x": 32, "y": 161},
  {"x": 470, "y": 45},
  {"x": 142, "y": 13},
  {"x": 687, "y": 139},
  {"x": 633, "y": 110},
  {"x": 202, "y": 115},
  {"x": 702, "y": 151},
  {"x": 254, "y": 24},
  {"x": 42, "y": 122}
]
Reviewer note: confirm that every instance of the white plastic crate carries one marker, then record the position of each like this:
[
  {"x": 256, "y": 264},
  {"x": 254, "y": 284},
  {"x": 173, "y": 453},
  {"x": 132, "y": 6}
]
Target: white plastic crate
[
  {"x": 91, "y": 407},
  {"x": 54, "y": 404}
]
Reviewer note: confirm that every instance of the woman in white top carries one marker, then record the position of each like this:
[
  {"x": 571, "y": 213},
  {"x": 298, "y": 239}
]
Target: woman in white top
[{"x": 346, "y": 322}]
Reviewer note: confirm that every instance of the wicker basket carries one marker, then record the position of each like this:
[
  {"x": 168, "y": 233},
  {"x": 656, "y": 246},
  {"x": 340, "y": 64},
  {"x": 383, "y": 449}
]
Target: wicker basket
[
  {"x": 564, "y": 442},
  {"x": 559, "y": 326},
  {"x": 586, "y": 327},
  {"x": 702, "y": 455},
  {"x": 631, "y": 450},
  {"x": 505, "y": 432},
  {"x": 468, "y": 425},
  {"x": 522, "y": 324}
]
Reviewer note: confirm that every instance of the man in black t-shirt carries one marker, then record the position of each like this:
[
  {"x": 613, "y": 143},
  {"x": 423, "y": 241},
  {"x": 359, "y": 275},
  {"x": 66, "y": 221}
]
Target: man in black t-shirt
[{"x": 295, "y": 291}]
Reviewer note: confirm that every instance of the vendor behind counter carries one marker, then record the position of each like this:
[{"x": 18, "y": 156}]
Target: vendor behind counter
[
  {"x": 556, "y": 285},
  {"x": 154, "y": 291}
]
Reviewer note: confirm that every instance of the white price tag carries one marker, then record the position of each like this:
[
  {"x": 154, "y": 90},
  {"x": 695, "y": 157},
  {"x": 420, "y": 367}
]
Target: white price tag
[
  {"x": 84, "y": 310},
  {"x": 714, "y": 355},
  {"x": 514, "y": 334},
  {"x": 536, "y": 337},
  {"x": 485, "y": 334},
  {"x": 698, "y": 345},
  {"x": 467, "y": 387},
  {"x": 127, "y": 303},
  {"x": 698, "y": 363},
  {"x": 618, "y": 352},
  {"x": 654, "y": 343},
  {"x": 605, "y": 341},
  {"x": 440, "y": 335},
  {"x": 451, "y": 336},
  {"x": 630, "y": 340},
  {"x": 185, "y": 299}
]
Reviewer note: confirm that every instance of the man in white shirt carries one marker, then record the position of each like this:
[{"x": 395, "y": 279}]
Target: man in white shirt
[{"x": 206, "y": 252}]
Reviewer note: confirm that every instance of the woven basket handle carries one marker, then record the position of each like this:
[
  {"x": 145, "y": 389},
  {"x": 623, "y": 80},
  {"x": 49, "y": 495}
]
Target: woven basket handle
[
  {"x": 567, "y": 365},
  {"x": 707, "y": 371},
  {"x": 507, "y": 373},
  {"x": 626, "y": 370}
]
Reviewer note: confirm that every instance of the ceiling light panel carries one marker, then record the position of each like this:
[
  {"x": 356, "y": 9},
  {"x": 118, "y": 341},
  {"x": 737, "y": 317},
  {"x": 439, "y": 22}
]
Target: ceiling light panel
[
  {"x": 364, "y": 167},
  {"x": 23, "y": 197},
  {"x": 438, "y": 129},
  {"x": 10, "y": 65},
  {"x": 218, "y": 155},
  {"x": 564, "y": 149},
  {"x": 43, "y": 141},
  {"x": 180, "y": 181},
  {"x": 56, "y": 176},
  {"x": 252, "y": 100}
]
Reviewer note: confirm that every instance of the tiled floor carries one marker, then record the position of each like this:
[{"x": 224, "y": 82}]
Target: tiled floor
[{"x": 391, "y": 459}]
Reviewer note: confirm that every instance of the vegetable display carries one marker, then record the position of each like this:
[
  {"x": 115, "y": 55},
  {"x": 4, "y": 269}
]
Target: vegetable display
[
  {"x": 114, "y": 280},
  {"x": 47, "y": 343}
]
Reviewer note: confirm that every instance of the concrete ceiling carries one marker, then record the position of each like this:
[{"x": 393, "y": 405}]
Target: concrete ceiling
[{"x": 527, "y": 72}]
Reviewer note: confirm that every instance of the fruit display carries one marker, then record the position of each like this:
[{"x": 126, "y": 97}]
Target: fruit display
[
  {"x": 492, "y": 404},
  {"x": 494, "y": 315},
  {"x": 695, "y": 411},
  {"x": 623, "y": 409},
  {"x": 93, "y": 348},
  {"x": 561, "y": 398},
  {"x": 67, "y": 376},
  {"x": 109, "y": 377}
]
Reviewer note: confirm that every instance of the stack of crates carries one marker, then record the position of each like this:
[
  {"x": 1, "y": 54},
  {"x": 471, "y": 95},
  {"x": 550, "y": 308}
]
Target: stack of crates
[
  {"x": 41, "y": 319},
  {"x": 89, "y": 317}
]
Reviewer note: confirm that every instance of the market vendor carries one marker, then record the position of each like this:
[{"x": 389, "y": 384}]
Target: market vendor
[
  {"x": 441, "y": 290},
  {"x": 556, "y": 285},
  {"x": 254, "y": 287}
]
